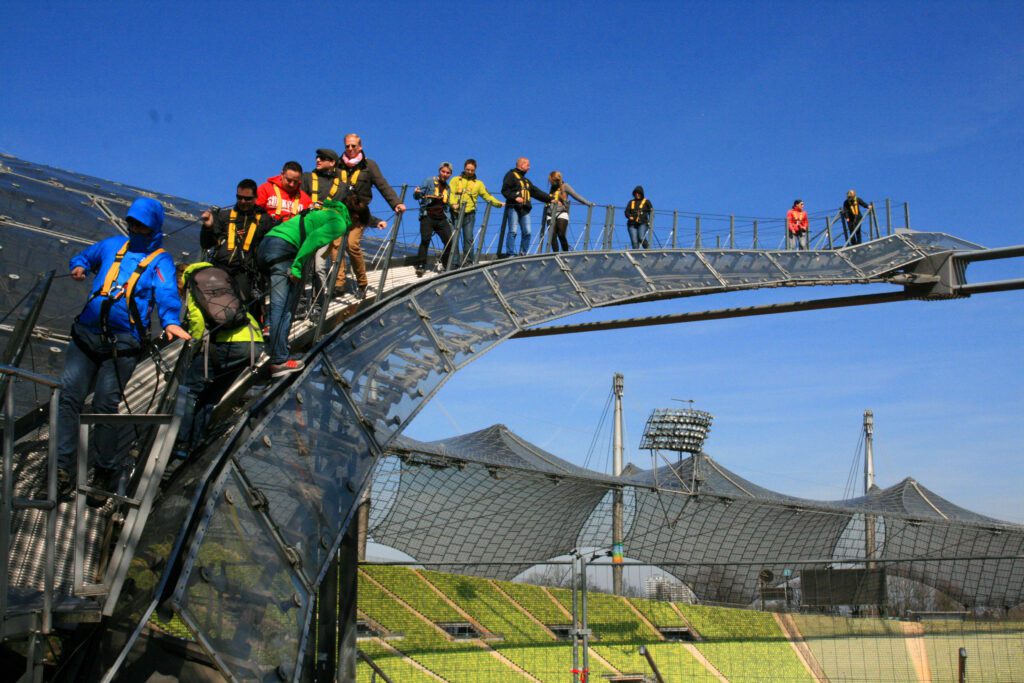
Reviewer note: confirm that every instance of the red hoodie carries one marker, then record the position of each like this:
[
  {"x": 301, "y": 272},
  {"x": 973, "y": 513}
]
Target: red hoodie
[
  {"x": 796, "y": 220},
  {"x": 277, "y": 202}
]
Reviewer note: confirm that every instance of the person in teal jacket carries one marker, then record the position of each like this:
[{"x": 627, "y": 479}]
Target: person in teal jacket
[
  {"x": 217, "y": 362},
  {"x": 281, "y": 257}
]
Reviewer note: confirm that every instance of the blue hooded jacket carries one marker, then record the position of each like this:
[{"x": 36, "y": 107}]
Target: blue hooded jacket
[{"x": 157, "y": 283}]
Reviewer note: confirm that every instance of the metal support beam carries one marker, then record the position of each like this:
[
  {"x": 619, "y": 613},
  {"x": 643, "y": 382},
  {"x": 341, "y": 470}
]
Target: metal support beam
[
  {"x": 719, "y": 314},
  {"x": 618, "y": 384}
]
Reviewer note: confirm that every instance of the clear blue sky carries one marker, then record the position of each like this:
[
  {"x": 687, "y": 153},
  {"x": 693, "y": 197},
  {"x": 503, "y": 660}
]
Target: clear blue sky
[{"x": 723, "y": 108}]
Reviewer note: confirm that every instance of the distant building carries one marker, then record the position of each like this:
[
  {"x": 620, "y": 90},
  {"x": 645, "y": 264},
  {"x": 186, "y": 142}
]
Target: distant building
[{"x": 667, "y": 588}]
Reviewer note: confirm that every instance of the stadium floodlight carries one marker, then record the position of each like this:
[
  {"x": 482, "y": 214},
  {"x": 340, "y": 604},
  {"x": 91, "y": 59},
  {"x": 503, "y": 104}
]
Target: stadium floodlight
[{"x": 682, "y": 430}]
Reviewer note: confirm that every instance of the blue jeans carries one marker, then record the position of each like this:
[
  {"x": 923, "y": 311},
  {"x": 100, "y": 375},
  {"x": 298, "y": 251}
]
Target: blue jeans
[
  {"x": 638, "y": 234},
  {"x": 468, "y": 230},
  {"x": 206, "y": 381},
  {"x": 89, "y": 365},
  {"x": 274, "y": 258},
  {"x": 515, "y": 221}
]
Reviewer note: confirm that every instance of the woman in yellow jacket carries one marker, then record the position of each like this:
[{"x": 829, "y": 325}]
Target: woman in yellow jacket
[{"x": 219, "y": 358}]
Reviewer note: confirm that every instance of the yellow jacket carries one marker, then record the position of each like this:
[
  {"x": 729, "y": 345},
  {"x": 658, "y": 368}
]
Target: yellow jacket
[{"x": 464, "y": 193}]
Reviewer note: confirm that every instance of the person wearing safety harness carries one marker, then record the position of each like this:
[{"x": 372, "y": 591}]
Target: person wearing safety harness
[
  {"x": 362, "y": 174},
  {"x": 796, "y": 226},
  {"x": 230, "y": 238},
  {"x": 321, "y": 184},
  {"x": 281, "y": 197},
  {"x": 638, "y": 219},
  {"x": 433, "y": 195},
  {"x": 217, "y": 363},
  {"x": 132, "y": 274},
  {"x": 281, "y": 258},
  {"x": 558, "y": 210},
  {"x": 852, "y": 216},
  {"x": 465, "y": 190},
  {"x": 517, "y": 190}
]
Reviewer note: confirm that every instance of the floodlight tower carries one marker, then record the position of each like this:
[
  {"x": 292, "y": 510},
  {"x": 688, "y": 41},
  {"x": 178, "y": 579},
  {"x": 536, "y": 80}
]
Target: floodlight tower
[
  {"x": 618, "y": 383},
  {"x": 681, "y": 430}
]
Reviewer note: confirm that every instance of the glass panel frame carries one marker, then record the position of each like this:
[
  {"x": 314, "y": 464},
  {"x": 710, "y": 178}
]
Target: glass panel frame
[
  {"x": 607, "y": 276},
  {"x": 672, "y": 271},
  {"x": 537, "y": 293}
]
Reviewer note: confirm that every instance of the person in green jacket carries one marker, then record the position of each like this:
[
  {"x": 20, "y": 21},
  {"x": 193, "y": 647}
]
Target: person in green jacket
[
  {"x": 222, "y": 356},
  {"x": 281, "y": 258}
]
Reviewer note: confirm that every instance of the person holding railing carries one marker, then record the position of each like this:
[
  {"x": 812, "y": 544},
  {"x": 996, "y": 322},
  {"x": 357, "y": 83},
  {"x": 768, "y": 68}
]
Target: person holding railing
[
  {"x": 134, "y": 274},
  {"x": 639, "y": 211},
  {"x": 465, "y": 190},
  {"x": 434, "y": 196},
  {"x": 797, "y": 226},
  {"x": 558, "y": 209},
  {"x": 853, "y": 217},
  {"x": 518, "y": 191}
]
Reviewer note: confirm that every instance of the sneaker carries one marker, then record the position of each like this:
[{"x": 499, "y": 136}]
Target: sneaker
[
  {"x": 105, "y": 480},
  {"x": 361, "y": 291},
  {"x": 286, "y": 368},
  {"x": 420, "y": 271}
]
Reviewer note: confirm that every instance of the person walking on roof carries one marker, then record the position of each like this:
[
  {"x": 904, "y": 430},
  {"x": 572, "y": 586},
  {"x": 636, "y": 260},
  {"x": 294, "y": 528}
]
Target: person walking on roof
[
  {"x": 853, "y": 217},
  {"x": 133, "y": 275},
  {"x": 638, "y": 219},
  {"x": 518, "y": 191},
  {"x": 797, "y": 226},
  {"x": 466, "y": 189},
  {"x": 558, "y": 209},
  {"x": 281, "y": 197},
  {"x": 434, "y": 197},
  {"x": 281, "y": 258},
  {"x": 323, "y": 183},
  {"x": 230, "y": 238}
]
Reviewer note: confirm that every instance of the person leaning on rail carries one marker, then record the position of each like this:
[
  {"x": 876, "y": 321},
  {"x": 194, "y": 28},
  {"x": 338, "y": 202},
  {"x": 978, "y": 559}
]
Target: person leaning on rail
[
  {"x": 133, "y": 274},
  {"x": 558, "y": 209},
  {"x": 433, "y": 195},
  {"x": 281, "y": 258},
  {"x": 465, "y": 190},
  {"x": 518, "y": 191},
  {"x": 638, "y": 219},
  {"x": 852, "y": 216},
  {"x": 796, "y": 226},
  {"x": 282, "y": 196},
  {"x": 321, "y": 184},
  {"x": 230, "y": 238}
]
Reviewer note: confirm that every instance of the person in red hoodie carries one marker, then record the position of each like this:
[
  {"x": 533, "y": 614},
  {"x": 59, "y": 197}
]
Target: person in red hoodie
[
  {"x": 796, "y": 226},
  {"x": 281, "y": 197}
]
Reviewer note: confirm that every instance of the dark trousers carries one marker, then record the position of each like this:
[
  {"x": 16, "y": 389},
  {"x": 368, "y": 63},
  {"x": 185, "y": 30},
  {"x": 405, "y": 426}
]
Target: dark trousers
[
  {"x": 90, "y": 365},
  {"x": 558, "y": 233},
  {"x": 428, "y": 226},
  {"x": 207, "y": 379},
  {"x": 274, "y": 259},
  {"x": 853, "y": 228}
]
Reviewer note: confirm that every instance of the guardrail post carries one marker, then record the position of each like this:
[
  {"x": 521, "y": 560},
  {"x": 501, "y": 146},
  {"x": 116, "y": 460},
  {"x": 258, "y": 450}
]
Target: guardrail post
[
  {"x": 828, "y": 231},
  {"x": 732, "y": 231},
  {"x": 696, "y": 240},
  {"x": 392, "y": 238},
  {"x": 586, "y": 229},
  {"x": 755, "y": 235},
  {"x": 888, "y": 216},
  {"x": 718, "y": 241},
  {"x": 675, "y": 227},
  {"x": 483, "y": 234},
  {"x": 906, "y": 214},
  {"x": 609, "y": 225}
]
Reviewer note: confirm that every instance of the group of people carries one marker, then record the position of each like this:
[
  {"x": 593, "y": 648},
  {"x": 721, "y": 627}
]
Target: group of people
[{"x": 797, "y": 224}]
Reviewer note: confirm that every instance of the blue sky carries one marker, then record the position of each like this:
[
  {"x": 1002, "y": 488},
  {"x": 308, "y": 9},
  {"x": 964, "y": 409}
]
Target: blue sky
[{"x": 718, "y": 108}]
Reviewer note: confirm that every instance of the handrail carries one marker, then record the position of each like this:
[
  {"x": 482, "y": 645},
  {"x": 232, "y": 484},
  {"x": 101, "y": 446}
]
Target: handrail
[{"x": 373, "y": 665}]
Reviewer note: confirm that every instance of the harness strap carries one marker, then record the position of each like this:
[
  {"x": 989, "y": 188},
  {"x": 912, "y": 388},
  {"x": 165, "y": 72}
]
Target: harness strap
[
  {"x": 315, "y": 185},
  {"x": 113, "y": 271},
  {"x": 351, "y": 180},
  {"x": 233, "y": 232}
]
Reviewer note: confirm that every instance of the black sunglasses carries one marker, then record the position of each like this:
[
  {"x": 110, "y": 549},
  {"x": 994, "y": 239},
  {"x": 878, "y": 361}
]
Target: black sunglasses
[{"x": 244, "y": 198}]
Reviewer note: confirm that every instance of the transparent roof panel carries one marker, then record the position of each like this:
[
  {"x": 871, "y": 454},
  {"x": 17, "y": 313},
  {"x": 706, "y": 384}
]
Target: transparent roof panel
[
  {"x": 607, "y": 276},
  {"x": 674, "y": 271},
  {"x": 243, "y": 599},
  {"x": 814, "y": 265},
  {"x": 537, "y": 290},
  {"x": 937, "y": 241},
  {"x": 878, "y": 257},
  {"x": 45, "y": 206},
  {"x": 743, "y": 267}
]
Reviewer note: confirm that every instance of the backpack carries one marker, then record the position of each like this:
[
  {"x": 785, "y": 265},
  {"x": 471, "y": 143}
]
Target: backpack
[{"x": 216, "y": 296}]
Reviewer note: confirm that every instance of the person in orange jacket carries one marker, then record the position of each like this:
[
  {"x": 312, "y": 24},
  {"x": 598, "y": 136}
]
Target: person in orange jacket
[{"x": 796, "y": 226}]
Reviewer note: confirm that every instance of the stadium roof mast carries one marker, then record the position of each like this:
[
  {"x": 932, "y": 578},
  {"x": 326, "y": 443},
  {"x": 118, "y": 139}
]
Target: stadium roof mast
[
  {"x": 682, "y": 430},
  {"x": 618, "y": 384},
  {"x": 869, "y": 484}
]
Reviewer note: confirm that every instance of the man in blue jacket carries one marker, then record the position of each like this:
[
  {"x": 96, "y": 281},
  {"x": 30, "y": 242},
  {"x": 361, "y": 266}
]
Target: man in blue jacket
[{"x": 107, "y": 338}]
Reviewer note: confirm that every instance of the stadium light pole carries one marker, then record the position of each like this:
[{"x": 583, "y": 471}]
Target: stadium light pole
[{"x": 618, "y": 383}]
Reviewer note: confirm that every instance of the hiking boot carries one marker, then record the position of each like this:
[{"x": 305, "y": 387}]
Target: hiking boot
[
  {"x": 286, "y": 368},
  {"x": 106, "y": 480},
  {"x": 420, "y": 271},
  {"x": 361, "y": 291}
]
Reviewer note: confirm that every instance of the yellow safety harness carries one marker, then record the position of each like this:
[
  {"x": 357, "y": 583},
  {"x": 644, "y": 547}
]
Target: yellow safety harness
[
  {"x": 315, "y": 185},
  {"x": 439, "y": 192},
  {"x": 113, "y": 294},
  {"x": 637, "y": 209},
  {"x": 524, "y": 186},
  {"x": 233, "y": 231},
  {"x": 854, "y": 207},
  {"x": 353, "y": 179}
]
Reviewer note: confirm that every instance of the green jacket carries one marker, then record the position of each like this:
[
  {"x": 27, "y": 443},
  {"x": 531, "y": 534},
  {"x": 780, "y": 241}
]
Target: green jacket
[
  {"x": 465, "y": 192},
  {"x": 322, "y": 227},
  {"x": 196, "y": 324}
]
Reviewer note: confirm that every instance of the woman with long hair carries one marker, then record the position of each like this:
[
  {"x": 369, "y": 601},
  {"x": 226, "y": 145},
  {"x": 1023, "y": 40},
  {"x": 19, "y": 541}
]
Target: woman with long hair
[{"x": 558, "y": 209}]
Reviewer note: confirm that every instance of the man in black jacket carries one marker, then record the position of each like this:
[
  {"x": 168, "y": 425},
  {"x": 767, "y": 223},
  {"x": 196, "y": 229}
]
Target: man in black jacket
[
  {"x": 853, "y": 217},
  {"x": 231, "y": 236},
  {"x": 324, "y": 182},
  {"x": 638, "y": 219},
  {"x": 518, "y": 190}
]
